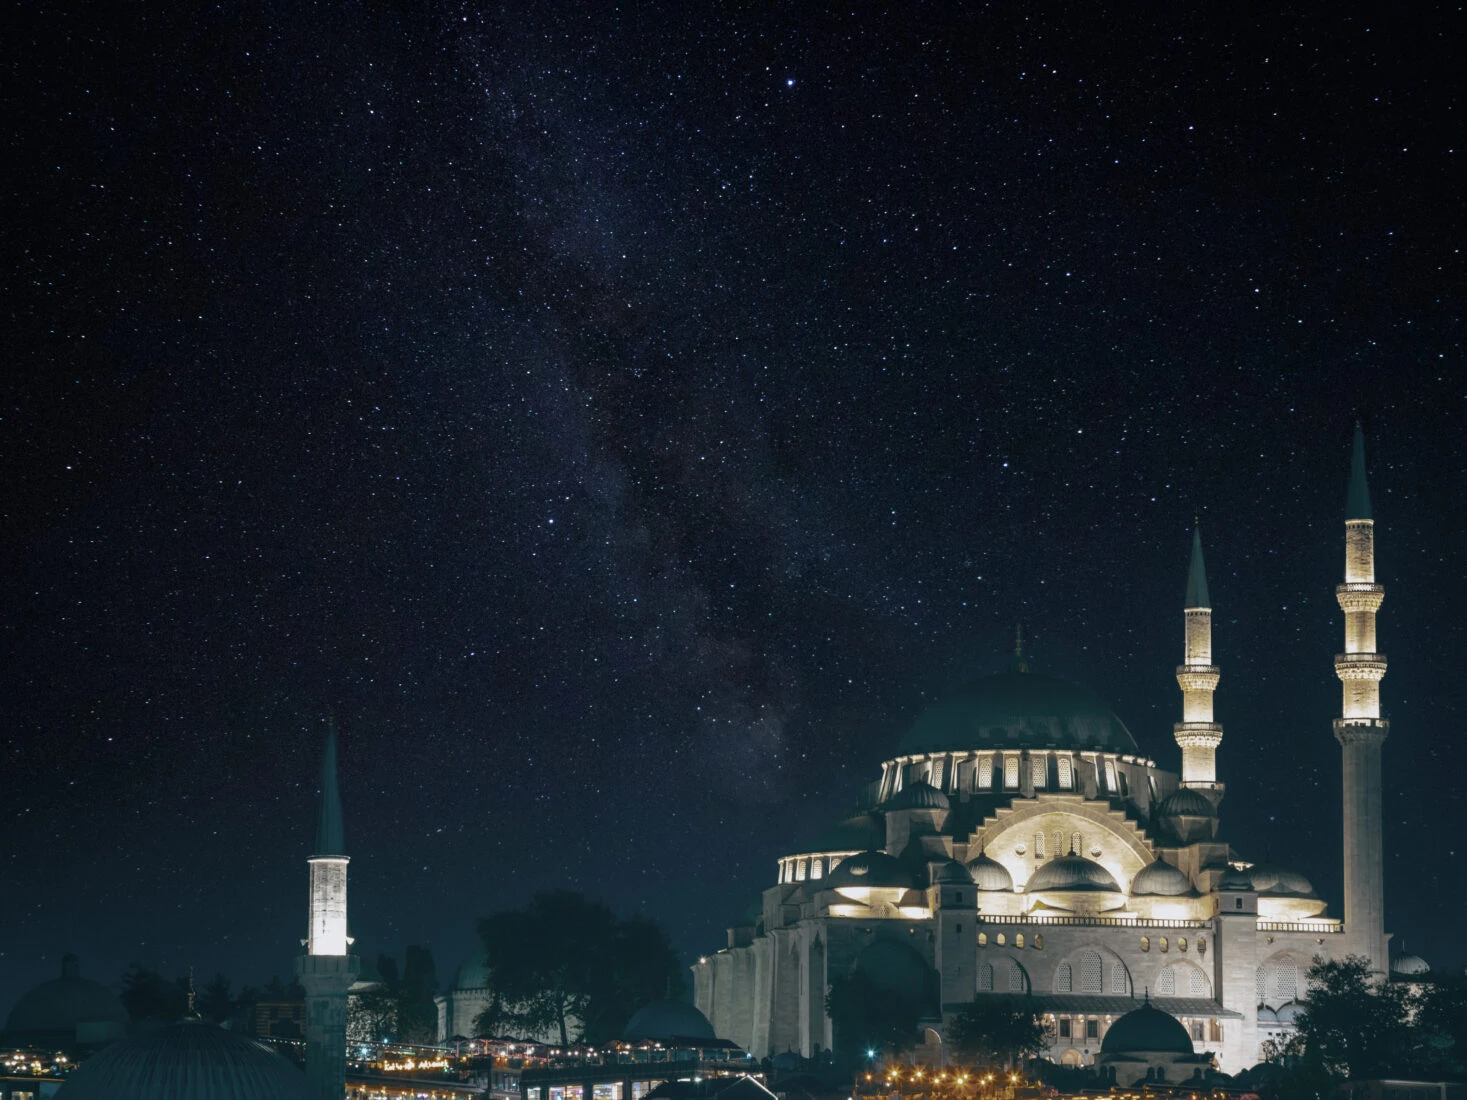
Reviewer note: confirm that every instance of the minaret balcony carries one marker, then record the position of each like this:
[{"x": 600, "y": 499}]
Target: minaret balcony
[
  {"x": 1198, "y": 677},
  {"x": 1360, "y": 597},
  {"x": 1198, "y": 735},
  {"x": 1361, "y": 731},
  {"x": 1360, "y": 666}
]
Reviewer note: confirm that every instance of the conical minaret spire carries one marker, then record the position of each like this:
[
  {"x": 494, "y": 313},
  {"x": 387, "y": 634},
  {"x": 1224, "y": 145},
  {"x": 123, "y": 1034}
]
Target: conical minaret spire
[
  {"x": 1197, "y": 733},
  {"x": 326, "y": 970},
  {"x": 1360, "y": 729}
]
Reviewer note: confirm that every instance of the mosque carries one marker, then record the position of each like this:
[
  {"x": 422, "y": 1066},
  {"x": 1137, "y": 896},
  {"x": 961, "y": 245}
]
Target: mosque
[{"x": 1019, "y": 841}]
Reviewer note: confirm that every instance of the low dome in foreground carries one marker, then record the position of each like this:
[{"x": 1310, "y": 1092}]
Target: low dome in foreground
[
  {"x": 668, "y": 1022},
  {"x": 1160, "y": 879},
  {"x": 1147, "y": 1030},
  {"x": 187, "y": 1061},
  {"x": 1072, "y": 873},
  {"x": 875, "y": 869}
]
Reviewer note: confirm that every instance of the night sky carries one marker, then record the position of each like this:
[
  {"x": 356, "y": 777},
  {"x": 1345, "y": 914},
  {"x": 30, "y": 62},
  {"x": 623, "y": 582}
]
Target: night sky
[{"x": 627, "y": 419}]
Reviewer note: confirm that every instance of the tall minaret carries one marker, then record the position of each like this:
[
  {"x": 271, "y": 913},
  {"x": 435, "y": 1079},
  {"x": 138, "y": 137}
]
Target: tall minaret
[
  {"x": 1197, "y": 734},
  {"x": 1361, "y": 730},
  {"x": 326, "y": 970}
]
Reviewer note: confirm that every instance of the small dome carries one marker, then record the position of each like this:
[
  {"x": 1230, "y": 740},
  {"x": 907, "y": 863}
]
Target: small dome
[
  {"x": 1147, "y": 1030},
  {"x": 952, "y": 873},
  {"x": 875, "y": 869},
  {"x": 989, "y": 874},
  {"x": 63, "y": 1004},
  {"x": 187, "y": 1061},
  {"x": 1071, "y": 873},
  {"x": 1409, "y": 966},
  {"x": 1160, "y": 879},
  {"x": 1185, "y": 802},
  {"x": 474, "y": 973},
  {"x": 668, "y": 1022},
  {"x": 920, "y": 795},
  {"x": 1269, "y": 878},
  {"x": 1235, "y": 880}
]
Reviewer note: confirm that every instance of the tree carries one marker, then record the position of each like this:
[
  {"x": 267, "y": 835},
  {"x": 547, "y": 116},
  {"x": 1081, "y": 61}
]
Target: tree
[
  {"x": 147, "y": 995},
  {"x": 1350, "y": 1026},
  {"x": 417, "y": 1015},
  {"x": 996, "y": 1030},
  {"x": 1441, "y": 1027},
  {"x": 565, "y": 964},
  {"x": 215, "y": 1001},
  {"x": 866, "y": 1016}
]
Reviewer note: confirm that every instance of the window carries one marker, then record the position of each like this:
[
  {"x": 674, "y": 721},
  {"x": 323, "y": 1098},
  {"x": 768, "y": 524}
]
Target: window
[
  {"x": 1016, "y": 977},
  {"x": 1019, "y": 940},
  {"x": 1288, "y": 981},
  {"x": 1201, "y": 946},
  {"x": 1011, "y": 772},
  {"x": 1077, "y": 844},
  {"x": 1166, "y": 984},
  {"x": 1064, "y": 979},
  {"x": 1038, "y": 941},
  {"x": 1058, "y": 848},
  {"x": 1110, "y": 777},
  {"x": 1181, "y": 943},
  {"x": 958, "y": 928},
  {"x": 1197, "y": 1031},
  {"x": 999, "y": 939},
  {"x": 1064, "y": 1027},
  {"x": 1119, "y": 979},
  {"x": 958, "y": 898},
  {"x": 1145, "y": 943},
  {"x": 985, "y": 772},
  {"x": 1092, "y": 973},
  {"x": 936, "y": 777},
  {"x": 1066, "y": 773},
  {"x": 1237, "y": 903},
  {"x": 985, "y": 978},
  {"x": 1197, "y": 983},
  {"x": 817, "y": 868},
  {"x": 1258, "y": 983},
  {"x": 1162, "y": 944},
  {"x": 1214, "y": 1031},
  {"x": 1038, "y": 845},
  {"x": 800, "y": 871},
  {"x": 1038, "y": 771},
  {"x": 1092, "y": 1029},
  {"x": 982, "y": 939}
]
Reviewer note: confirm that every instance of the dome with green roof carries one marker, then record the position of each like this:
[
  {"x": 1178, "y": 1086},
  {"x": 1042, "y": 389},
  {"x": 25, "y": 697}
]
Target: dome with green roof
[{"x": 1018, "y": 710}]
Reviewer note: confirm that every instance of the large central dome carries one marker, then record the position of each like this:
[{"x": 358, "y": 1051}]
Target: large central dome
[{"x": 1018, "y": 710}]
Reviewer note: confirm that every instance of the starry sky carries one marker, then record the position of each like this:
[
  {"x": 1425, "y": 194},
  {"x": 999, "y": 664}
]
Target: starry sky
[{"x": 626, "y": 418}]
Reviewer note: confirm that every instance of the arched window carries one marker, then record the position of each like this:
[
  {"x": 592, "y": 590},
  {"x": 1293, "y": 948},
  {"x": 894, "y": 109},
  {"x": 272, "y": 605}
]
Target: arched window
[
  {"x": 1016, "y": 977},
  {"x": 1092, "y": 973},
  {"x": 1038, "y": 845},
  {"x": 1066, "y": 773},
  {"x": 1166, "y": 984},
  {"x": 999, "y": 939},
  {"x": 985, "y": 772},
  {"x": 800, "y": 871},
  {"x": 1058, "y": 848},
  {"x": 1011, "y": 772},
  {"x": 985, "y": 978},
  {"x": 1181, "y": 943},
  {"x": 1288, "y": 981},
  {"x": 1019, "y": 940},
  {"x": 1196, "y": 983},
  {"x": 1038, "y": 941},
  {"x": 1064, "y": 979},
  {"x": 1258, "y": 981},
  {"x": 1145, "y": 943},
  {"x": 1038, "y": 771},
  {"x": 1110, "y": 777},
  {"x": 982, "y": 939},
  {"x": 817, "y": 868},
  {"x": 1201, "y": 946},
  {"x": 1162, "y": 944},
  {"x": 1119, "y": 982},
  {"x": 1077, "y": 844}
]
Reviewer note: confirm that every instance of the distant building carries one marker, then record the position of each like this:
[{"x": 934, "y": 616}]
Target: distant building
[
  {"x": 460, "y": 1005},
  {"x": 68, "y": 1012},
  {"x": 1018, "y": 840}
]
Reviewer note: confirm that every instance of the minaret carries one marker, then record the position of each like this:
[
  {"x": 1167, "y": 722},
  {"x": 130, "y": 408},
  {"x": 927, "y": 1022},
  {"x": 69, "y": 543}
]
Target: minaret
[
  {"x": 1361, "y": 730},
  {"x": 326, "y": 970},
  {"x": 1197, "y": 734}
]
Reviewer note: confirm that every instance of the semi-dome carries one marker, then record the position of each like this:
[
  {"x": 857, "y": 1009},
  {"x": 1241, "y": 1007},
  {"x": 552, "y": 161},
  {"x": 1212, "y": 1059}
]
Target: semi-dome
[
  {"x": 1018, "y": 710},
  {"x": 1161, "y": 880},
  {"x": 1071, "y": 872},
  {"x": 1269, "y": 878},
  {"x": 874, "y": 869},
  {"x": 920, "y": 795},
  {"x": 668, "y": 1022},
  {"x": 66, "y": 1004},
  {"x": 1147, "y": 1030},
  {"x": 474, "y": 973},
  {"x": 1409, "y": 966},
  {"x": 952, "y": 873},
  {"x": 188, "y": 1061},
  {"x": 989, "y": 874}
]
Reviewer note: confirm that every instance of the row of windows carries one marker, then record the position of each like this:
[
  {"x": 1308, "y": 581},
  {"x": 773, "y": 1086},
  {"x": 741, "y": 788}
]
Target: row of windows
[
  {"x": 1279, "y": 981},
  {"x": 1002, "y": 941},
  {"x": 797, "y": 870},
  {"x": 1092, "y": 976},
  {"x": 1043, "y": 849},
  {"x": 1089, "y": 1028},
  {"x": 952, "y": 775},
  {"x": 1164, "y": 945}
]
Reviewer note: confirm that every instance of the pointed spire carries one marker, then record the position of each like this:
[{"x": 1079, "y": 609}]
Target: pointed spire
[
  {"x": 1197, "y": 574},
  {"x": 1357, "y": 503},
  {"x": 330, "y": 839}
]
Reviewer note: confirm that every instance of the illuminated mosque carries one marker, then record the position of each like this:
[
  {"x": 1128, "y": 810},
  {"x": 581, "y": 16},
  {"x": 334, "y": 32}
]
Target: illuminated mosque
[{"x": 1019, "y": 841}]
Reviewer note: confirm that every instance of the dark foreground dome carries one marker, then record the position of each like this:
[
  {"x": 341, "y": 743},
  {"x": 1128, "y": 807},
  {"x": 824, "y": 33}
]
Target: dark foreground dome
[
  {"x": 1147, "y": 1030},
  {"x": 70, "y": 1006},
  {"x": 875, "y": 869},
  {"x": 668, "y": 1022},
  {"x": 1018, "y": 710},
  {"x": 187, "y": 1061}
]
